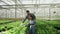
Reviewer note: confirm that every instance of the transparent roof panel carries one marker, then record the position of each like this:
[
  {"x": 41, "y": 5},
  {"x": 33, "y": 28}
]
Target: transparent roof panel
[
  {"x": 7, "y": 2},
  {"x": 13, "y": 2},
  {"x": 1, "y": 3},
  {"x": 40, "y": 1}
]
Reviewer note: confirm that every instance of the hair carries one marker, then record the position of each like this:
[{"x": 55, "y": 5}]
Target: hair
[
  {"x": 31, "y": 16},
  {"x": 27, "y": 11}
]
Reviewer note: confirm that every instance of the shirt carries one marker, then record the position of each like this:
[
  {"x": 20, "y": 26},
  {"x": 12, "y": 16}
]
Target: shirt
[
  {"x": 31, "y": 22},
  {"x": 27, "y": 17}
]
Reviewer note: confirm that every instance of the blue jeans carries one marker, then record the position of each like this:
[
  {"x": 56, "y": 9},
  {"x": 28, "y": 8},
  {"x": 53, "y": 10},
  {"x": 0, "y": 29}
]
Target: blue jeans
[{"x": 32, "y": 30}]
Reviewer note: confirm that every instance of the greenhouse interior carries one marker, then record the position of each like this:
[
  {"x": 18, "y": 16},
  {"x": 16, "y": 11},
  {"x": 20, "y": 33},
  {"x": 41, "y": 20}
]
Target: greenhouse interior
[{"x": 43, "y": 16}]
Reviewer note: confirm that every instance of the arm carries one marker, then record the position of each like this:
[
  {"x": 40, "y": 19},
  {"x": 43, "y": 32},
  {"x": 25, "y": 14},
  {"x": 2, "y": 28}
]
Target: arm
[
  {"x": 33, "y": 16},
  {"x": 25, "y": 19}
]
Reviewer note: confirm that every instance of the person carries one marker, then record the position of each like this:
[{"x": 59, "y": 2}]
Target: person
[
  {"x": 32, "y": 21},
  {"x": 32, "y": 25}
]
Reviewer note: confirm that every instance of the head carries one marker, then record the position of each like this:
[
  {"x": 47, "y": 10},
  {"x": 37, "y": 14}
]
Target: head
[
  {"x": 30, "y": 17},
  {"x": 27, "y": 11}
]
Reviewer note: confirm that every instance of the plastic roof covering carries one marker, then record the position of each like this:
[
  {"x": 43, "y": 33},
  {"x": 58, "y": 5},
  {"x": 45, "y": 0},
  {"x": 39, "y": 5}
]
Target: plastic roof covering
[
  {"x": 40, "y": 1},
  {"x": 11, "y": 2},
  {"x": 28, "y": 3}
]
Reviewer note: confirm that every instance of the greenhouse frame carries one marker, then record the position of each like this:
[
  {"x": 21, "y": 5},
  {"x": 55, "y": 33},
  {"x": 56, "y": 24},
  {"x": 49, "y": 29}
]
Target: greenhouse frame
[
  {"x": 12, "y": 8},
  {"x": 12, "y": 13}
]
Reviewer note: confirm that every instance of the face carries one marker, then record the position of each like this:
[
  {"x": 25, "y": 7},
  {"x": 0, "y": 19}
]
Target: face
[
  {"x": 30, "y": 17},
  {"x": 27, "y": 13}
]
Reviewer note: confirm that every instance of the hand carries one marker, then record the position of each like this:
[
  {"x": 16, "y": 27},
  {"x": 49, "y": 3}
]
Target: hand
[
  {"x": 21, "y": 24},
  {"x": 28, "y": 25},
  {"x": 22, "y": 21}
]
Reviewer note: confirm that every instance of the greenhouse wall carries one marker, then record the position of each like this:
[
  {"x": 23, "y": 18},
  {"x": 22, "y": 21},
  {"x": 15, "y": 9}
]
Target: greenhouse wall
[{"x": 44, "y": 13}]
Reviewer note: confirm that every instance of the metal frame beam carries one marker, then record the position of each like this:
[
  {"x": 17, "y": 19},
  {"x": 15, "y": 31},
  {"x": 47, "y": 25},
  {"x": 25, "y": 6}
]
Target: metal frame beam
[
  {"x": 4, "y": 2},
  {"x": 20, "y": 1},
  {"x": 9, "y": 2},
  {"x": 16, "y": 2},
  {"x": 31, "y": 4},
  {"x": 0, "y": 6},
  {"x": 23, "y": 6},
  {"x": 27, "y": 7}
]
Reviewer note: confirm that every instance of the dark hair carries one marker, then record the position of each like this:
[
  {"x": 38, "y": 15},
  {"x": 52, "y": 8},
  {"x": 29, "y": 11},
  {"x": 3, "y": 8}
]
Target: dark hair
[
  {"x": 31, "y": 16},
  {"x": 27, "y": 11}
]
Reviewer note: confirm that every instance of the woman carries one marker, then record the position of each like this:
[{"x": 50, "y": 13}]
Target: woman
[{"x": 32, "y": 24}]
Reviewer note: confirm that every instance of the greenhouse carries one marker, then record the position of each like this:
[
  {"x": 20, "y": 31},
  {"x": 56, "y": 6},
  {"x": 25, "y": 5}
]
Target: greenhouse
[{"x": 46, "y": 14}]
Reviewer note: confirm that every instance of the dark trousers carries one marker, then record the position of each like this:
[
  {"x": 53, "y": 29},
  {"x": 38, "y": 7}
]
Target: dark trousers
[{"x": 32, "y": 30}]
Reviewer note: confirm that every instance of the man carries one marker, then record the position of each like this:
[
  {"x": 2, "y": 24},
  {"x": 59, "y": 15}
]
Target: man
[
  {"x": 32, "y": 19},
  {"x": 27, "y": 17}
]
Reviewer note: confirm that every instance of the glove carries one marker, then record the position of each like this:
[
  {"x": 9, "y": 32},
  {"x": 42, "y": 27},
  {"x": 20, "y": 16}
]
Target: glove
[{"x": 28, "y": 25}]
